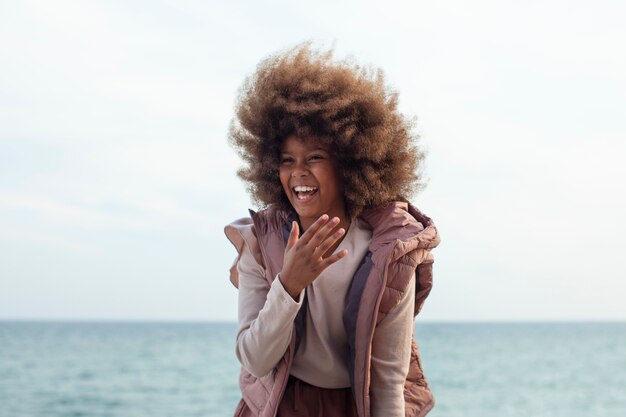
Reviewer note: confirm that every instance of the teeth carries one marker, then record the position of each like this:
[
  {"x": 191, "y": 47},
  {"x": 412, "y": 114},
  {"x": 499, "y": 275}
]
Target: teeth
[{"x": 303, "y": 189}]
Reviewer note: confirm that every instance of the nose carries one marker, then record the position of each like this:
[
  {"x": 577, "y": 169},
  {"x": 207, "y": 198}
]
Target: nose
[{"x": 299, "y": 170}]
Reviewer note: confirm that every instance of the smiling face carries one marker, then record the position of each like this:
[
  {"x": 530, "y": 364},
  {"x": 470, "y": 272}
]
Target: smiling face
[{"x": 309, "y": 177}]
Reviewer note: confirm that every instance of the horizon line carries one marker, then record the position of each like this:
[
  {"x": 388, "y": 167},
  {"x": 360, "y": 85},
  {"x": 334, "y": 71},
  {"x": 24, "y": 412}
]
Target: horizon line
[{"x": 223, "y": 321}]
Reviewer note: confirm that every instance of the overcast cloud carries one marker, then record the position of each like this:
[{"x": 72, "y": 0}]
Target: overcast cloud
[{"x": 116, "y": 178}]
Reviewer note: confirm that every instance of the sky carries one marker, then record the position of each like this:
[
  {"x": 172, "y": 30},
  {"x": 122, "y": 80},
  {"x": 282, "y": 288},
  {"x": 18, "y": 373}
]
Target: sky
[{"x": 116, "y": 178}]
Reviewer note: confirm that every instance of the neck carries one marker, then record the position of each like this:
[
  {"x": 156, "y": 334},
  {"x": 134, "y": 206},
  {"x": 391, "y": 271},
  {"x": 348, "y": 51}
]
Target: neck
[{"x": 344, "y": 221}]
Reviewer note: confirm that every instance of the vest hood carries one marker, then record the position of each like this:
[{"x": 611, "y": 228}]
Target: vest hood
[{"x": 402, "y": 223}]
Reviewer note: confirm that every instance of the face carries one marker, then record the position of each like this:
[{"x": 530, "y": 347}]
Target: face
[{"x": 309, "y": 177}]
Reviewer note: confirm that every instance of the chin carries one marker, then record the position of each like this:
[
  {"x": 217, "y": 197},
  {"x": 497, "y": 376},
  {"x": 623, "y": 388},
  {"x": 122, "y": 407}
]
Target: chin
[{"x": 308, "y": 213}]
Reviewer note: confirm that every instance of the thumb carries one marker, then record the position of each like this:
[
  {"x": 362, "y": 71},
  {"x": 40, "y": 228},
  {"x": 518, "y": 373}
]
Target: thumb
[{"x": 293, "y": 235}]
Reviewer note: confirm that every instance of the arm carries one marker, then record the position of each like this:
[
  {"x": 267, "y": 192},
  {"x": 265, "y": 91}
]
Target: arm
[
  {"x": 266, "y": 315},
  {"x": 391, "y": 354}
]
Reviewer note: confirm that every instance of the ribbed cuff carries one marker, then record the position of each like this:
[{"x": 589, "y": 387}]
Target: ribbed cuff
[{"x": 279, "y": 294}]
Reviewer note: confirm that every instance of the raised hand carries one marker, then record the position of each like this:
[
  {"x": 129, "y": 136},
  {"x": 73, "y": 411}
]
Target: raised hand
[{"x": 306, "y": 257}]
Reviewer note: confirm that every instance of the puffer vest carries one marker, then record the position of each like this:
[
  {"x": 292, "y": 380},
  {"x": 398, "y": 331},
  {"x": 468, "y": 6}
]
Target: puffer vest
[{"x": 402, "y": 238}]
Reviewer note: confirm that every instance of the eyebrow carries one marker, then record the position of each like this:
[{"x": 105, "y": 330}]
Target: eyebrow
[{"x": 313, "y": 150}]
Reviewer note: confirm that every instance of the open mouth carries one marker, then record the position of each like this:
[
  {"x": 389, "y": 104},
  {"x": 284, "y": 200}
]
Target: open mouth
[{"x": 304, "y": 193}]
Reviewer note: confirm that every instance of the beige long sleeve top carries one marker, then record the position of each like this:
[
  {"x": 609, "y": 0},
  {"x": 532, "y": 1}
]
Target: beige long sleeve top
[{"x": 267, "y": 313}]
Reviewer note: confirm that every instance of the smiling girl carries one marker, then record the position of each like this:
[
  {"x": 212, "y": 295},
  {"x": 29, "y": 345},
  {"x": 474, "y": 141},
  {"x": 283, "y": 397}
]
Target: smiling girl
[{"x": 334, "y": 269}]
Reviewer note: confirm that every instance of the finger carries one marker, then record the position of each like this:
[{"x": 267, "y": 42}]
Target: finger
[
  {"x": 333, "y": 258},
  {"x": 293, "y": 235},
  {"x": 329, "y": 241},
  {"x": 310, "y": 232},
  {"x": 324, "y": 232}
]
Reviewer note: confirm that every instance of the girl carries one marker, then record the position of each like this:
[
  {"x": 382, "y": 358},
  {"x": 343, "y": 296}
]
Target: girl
[{"x": 333, "y": 271}]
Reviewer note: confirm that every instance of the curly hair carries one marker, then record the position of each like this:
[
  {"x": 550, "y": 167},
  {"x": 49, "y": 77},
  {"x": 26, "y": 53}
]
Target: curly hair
[{"x": 348, "y": 108}]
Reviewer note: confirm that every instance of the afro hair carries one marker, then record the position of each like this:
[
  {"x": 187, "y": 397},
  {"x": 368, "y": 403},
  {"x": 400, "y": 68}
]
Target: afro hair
[{"x": 348, "y": 108}]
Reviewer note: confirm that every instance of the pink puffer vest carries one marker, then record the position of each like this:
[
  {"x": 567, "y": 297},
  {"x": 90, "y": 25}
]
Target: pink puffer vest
[{"x": 402, "y": 238}]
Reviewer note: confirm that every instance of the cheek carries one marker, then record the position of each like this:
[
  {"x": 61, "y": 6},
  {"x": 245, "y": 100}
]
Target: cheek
[{"x": 332, "y": 177}]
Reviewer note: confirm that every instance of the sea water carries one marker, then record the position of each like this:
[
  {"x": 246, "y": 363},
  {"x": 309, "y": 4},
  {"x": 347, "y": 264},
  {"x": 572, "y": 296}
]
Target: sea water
[{"x": 62, "y": 369}]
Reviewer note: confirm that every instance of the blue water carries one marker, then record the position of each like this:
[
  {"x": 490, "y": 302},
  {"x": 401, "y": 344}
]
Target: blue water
[{"x": 189, "y": 369}]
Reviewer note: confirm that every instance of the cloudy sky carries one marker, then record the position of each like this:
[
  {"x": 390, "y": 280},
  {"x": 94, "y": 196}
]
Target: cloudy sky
[{"x": 116, "y": 178}]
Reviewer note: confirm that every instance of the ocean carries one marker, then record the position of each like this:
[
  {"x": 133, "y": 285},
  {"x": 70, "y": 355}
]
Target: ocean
[{"x": 121, "y": 369}]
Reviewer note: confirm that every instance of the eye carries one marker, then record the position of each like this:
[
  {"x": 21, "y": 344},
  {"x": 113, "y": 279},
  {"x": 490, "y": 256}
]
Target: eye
[
  {"x": 285, "y": 160},
  {"x": 316, "y": 157}
]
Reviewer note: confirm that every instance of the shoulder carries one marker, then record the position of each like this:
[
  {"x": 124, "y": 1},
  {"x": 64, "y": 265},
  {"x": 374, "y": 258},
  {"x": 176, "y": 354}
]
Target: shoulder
[
  {"x": 271, "y": 219},
  {"x": 248, "y": 231},
  {"x": 246, "y": 227},
  {"x": 240, "y": 232},
  {"x": 400, "y": 224}
]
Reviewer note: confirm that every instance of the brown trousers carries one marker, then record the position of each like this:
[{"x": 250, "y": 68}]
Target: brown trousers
[{"x": 306, "y": 400}]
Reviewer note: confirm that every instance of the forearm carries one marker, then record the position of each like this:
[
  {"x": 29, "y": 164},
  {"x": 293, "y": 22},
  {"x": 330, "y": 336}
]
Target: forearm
[
  {"x": 263, "y": 338},
  {"x": 391, "y": 354}
]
